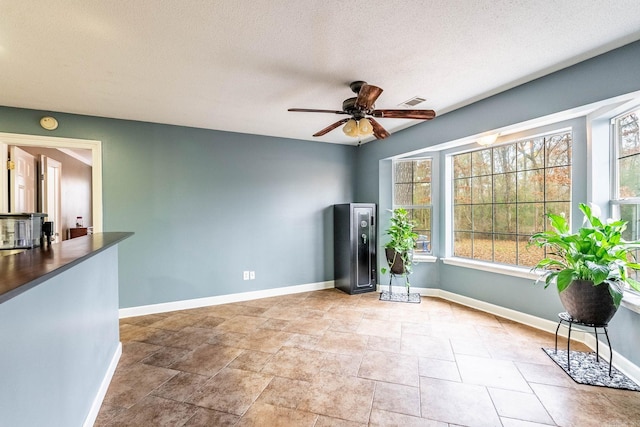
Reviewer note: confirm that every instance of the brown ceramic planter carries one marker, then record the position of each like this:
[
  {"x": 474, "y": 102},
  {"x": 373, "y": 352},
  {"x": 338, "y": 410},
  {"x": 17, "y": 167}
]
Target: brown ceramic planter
[{"x": 587, "y": 303}]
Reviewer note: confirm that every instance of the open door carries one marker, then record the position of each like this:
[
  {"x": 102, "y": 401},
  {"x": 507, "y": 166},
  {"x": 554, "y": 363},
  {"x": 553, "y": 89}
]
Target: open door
[
  {"x": 22, "y": 181},
  {"x": 50, "y": 200}
]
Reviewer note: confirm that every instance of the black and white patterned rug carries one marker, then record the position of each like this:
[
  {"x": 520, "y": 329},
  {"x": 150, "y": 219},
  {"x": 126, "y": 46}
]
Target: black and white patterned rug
[
  {"x": 399, "y": 297},
  {"x": 585, "y": 369}
]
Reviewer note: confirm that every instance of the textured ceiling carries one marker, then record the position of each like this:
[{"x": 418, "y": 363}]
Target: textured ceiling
[{"x": 237, "y": 65}]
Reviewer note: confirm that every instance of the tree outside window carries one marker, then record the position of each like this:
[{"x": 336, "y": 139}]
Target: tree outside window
[
  {"x": 626, "y": 198},
  {"x": 412, "y": 191},
  {"x": 500, "y": 196}
]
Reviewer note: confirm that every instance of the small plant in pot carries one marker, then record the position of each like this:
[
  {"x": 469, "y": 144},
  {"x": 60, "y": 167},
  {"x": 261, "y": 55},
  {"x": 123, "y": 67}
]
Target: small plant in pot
[
  {"x": 399, "y": 248},
  {"x": 589, "y": 267}
]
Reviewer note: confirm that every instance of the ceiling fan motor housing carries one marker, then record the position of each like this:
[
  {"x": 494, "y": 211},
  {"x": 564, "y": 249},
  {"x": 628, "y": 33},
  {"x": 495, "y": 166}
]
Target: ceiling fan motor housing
[
  {"x": 349, "y": 106},
  {"x": 355, "y": 86}
]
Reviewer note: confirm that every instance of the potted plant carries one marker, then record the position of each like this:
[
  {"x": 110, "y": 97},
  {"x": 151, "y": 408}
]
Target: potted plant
[
  {"x": 399, "y": 248},
  {"x": 589, "y": 267}
]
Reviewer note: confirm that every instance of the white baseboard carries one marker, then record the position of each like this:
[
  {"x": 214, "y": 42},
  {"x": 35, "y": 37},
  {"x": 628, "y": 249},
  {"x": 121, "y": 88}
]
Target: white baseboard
[
  {"x": 621, "y": 363},
  {"x": 507, "y": 313},
  {"x": 222, "y": 299},
  {"x": 104, "y": 386}
]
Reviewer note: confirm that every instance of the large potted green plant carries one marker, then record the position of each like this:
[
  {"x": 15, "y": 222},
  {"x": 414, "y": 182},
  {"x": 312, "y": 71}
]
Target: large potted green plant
[
  {"x": 402, "y": 241},
  {"x": 590, "y": 267}
]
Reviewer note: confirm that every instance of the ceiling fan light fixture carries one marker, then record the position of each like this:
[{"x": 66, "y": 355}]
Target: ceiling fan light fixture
[
  {"x": 351, "y": 128},
  {"x": 364, "y": 127}
]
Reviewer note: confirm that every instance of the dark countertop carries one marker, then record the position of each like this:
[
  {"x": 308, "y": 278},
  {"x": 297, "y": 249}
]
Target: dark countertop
[{"x": 22, "y": 271}]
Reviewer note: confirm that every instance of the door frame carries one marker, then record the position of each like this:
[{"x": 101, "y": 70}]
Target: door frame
[
  {"x": 4, "y": 176},
  {"x": 46, "y": 180},
  {"x": 57, "y": 142}
]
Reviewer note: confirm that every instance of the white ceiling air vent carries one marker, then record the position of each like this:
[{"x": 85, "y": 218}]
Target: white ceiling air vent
[{"x": 412, "y": 102}]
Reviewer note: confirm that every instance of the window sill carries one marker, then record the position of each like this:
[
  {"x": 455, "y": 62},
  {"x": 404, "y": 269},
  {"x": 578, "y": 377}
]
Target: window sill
[
  {"x": 491, "y": 267},
  {"x": 424, "y": 258},
  {"x": 631, "y": 301}
]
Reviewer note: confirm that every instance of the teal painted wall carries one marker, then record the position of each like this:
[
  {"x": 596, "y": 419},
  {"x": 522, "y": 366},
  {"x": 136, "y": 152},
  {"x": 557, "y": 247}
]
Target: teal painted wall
[
  {"x": 58, "y": 341},
  {"x": 207, "y": 205},
  {"x": 612, "y": 74}
]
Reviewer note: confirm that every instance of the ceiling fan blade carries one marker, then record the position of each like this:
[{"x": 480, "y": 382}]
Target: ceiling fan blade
[
  {"x": 367, "y": 96},
  {"x": 404, "y": 114},
  {"x": 378, "y": 131},
  {"x": 311, "y": 110},
  {"x": 331, "y": 127}
]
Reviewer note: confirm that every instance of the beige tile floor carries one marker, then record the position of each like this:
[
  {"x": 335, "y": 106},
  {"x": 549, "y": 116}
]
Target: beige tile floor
[{"x": 325, "y": 358}]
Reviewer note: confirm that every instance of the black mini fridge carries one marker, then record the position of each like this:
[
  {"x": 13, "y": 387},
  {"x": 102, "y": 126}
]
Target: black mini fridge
[{"x": 354, "y": 247}]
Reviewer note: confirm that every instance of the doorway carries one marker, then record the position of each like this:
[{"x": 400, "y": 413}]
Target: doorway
[
  {"x": 50, "y": 200},
  {"x": 95, "y": 147}
]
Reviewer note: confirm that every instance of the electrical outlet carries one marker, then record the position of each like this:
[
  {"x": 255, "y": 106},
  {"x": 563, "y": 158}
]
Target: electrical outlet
[
  {"x": 252, "y": 275},
  {"x": 245, "y": 275}
]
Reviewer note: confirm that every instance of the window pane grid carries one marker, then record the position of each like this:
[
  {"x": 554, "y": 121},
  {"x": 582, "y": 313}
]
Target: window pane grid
[
  {"x": 412, "y": 191},
  {"x": 500, "y": 196},
  {"x": 627, "y": 172},
  {"x": 628, "y": 155}
]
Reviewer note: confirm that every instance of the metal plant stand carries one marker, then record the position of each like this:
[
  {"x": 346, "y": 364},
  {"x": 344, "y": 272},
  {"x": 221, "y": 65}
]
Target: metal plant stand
[
  {"x": 566, "y": 317},
  {"x": 389, "y": 295}
]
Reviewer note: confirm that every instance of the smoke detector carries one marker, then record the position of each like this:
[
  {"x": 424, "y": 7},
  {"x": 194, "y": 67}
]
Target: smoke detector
[{"x": 49, "y": 123}]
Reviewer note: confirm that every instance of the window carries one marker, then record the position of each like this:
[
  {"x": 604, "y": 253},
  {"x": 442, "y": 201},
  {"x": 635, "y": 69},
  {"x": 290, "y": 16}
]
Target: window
[
  {"x": 626, "y": 199},
  {"x": 412, "y": 191},
  {"x": 500, "y": 196}
]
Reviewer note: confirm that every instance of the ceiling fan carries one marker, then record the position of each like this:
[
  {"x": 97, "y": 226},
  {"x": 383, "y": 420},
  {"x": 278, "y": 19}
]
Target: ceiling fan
[{"x": 362, "y": 111}]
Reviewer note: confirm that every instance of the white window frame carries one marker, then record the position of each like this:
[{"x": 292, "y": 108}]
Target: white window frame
[
  {"x": 616, "y": 201},
  {"x": 487, "y": 264},
  {"x": 551, "y": 127},
  {"x": 418, "y": 256},
  {"x": 615, "y": 178}
]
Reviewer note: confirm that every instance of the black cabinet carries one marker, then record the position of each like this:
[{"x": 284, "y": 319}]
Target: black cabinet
[{"x": 354, "y": 247}]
